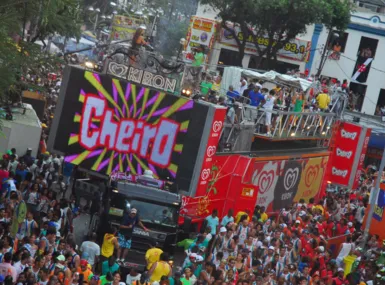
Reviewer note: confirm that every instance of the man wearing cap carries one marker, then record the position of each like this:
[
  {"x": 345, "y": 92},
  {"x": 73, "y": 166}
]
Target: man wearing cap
[
  {"x": 85, "y": 271},
  {"x": 125, "y": 233},
  {"x": 60, "y": 266},
  {"x": 340, "y": 280},
  {"x": 219, "y": 242}
]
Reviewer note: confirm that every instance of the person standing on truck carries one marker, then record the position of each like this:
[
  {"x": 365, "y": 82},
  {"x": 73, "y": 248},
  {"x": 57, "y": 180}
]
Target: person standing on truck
[
  {"x": 153, "y": 255},
  {"x": 110, "y": 243},
  {"x": 125, "y": 233}
]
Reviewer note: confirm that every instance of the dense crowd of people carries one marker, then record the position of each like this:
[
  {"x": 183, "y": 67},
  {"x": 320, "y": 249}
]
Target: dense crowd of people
[
  {"x": 287, "y": 248},
  {"x": 293, "y": 247}
]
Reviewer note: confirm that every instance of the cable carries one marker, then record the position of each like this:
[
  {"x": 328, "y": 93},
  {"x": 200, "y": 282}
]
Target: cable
[
  {"x": 355, "y": 60},
  {"x": 370, "y": 100}
]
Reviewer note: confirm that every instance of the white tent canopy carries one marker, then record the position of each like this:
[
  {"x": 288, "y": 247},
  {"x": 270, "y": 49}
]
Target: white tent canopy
[
  {"x": 232, "y": 76},
  {"x": 276, "y": 77}
]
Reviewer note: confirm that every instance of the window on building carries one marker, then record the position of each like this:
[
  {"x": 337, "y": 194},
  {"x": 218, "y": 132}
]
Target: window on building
[
  {"x": 356, "y": 96},
  {"x": 229, "y": 57},
  {"x": 365, "y": 55},
  {"x": 380, "y": 108},
  {"x": 371, "y": 7},
  {"x": 341, "y": 41}
]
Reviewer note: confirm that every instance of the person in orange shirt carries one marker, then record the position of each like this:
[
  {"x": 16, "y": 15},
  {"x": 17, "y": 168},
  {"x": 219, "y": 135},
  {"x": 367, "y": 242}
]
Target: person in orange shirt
[{"x": 84, "y": 270}]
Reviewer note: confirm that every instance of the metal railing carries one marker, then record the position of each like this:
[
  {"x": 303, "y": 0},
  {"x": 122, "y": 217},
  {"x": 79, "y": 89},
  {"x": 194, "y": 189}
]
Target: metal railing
[{"x": 285, "y": 125}]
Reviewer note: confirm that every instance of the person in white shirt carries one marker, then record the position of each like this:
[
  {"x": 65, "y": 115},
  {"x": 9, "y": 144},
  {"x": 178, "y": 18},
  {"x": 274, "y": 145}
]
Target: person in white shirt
[
  {"x": 13, "y": 163},
  {"x": 91, "y": 249},
  {"x": 6, "y": 268},
  {"x": 243, "y": 86},
  {"x": 22, "y": 264},
  {"x": 132, "y": 277},
  {"x": 269, "y": 104}
]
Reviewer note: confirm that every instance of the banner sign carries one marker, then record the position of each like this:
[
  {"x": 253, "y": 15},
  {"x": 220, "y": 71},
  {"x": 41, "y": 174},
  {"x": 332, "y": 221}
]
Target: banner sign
[
  {"x": 311, "y": 178},
  {"x": 201, "y": 32},
  {"x": 281, "y": 182},
  {"x": 211, "y": 148},
  {"x": 362, "y": 159},
  {"x": 379, "y": 206},
  {"x": 124, "y": 27},
  {"x": 297, "y": 49},
  {"x": 108, "y": 125},
  {"x": 343, "y": 155},
  {"x": 147, "y": 77}
]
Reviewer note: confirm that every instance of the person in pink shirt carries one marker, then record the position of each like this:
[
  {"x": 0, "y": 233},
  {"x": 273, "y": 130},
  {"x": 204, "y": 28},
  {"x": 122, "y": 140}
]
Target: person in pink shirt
[
  {"x": 6, "y": 268},
  {"x": 3, "y": 173}
]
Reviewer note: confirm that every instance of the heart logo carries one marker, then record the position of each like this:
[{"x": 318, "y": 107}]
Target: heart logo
[
  {"x": 265, "y": 181},
  {"x": 290, "y": 178},
  {"x": 211, "y": 151},
  {"x": 311, "y": 175},
  {"x": 117, "y": 69},
  {"x": 205, "y": 174},
  {"x": 217, "y": 126}
]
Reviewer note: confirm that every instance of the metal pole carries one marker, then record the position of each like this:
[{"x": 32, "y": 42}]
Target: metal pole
[
  {"x": 323, "y": 55},
  {"x": 153, "y": 24},
  {"x": 373, "y": 197},
  {"x": 96, "y": 23}
]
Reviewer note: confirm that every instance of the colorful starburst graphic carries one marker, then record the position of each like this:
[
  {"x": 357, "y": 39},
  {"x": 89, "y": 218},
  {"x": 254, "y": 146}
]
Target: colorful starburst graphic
[{"x": 128, "y": 102}]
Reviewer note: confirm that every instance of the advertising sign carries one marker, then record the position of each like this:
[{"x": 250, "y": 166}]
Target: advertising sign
[
  {"x": 281, "y": 182},
  {"x": 287, "y": 184},
  {"x": 311, "y": 178},
  {"x": 211, "y": 148},
  {"x": 201, "y": 32},
  {"x": 153, "y": 76},
  {"x": 123, "y": 27},
  {"x": 346, "y": 142},
  {"x": 362, "y": 158},
  {"x": 297, "y": 49},
  {"x": 379, "y": 206},
  {"x": 106, "y": 125},
  {"x": 265, "y": 177}
]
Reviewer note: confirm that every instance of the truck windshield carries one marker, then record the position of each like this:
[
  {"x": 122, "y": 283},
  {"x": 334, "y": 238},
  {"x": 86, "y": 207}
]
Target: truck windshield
[{"x": 151, "y": 213}]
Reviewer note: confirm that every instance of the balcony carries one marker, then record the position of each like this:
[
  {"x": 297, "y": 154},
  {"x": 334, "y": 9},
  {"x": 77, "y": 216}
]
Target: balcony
[{"x": 312, "y": 126}]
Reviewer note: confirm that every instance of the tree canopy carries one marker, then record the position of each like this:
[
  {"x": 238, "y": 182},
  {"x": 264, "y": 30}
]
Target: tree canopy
[
  {"x": 279, "y": 20},
  {"x": 43, "y": 18}
]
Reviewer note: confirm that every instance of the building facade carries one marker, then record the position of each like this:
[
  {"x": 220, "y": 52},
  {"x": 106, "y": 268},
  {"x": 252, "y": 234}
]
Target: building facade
[
  {"x": 225, "y": 51},
  {"x": 360, "y": 59}
]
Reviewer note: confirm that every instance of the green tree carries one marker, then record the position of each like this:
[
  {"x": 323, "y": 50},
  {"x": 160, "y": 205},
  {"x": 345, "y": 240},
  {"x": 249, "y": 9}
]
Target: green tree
[
  {"x": 278, "y": 20},
  {"x": 17, "y": 57}
]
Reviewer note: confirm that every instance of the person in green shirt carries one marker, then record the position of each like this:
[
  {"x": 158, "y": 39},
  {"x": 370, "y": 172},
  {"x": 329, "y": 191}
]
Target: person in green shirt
[
  {"x": 188, "y": 278},
  {"x": 109, "y": 266},
  {"x": 104, "y": 279},
  {"x": 186, "y": 243},
  {"x": 206, "y": 86},
  {"x": 199, "y": 57}
]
